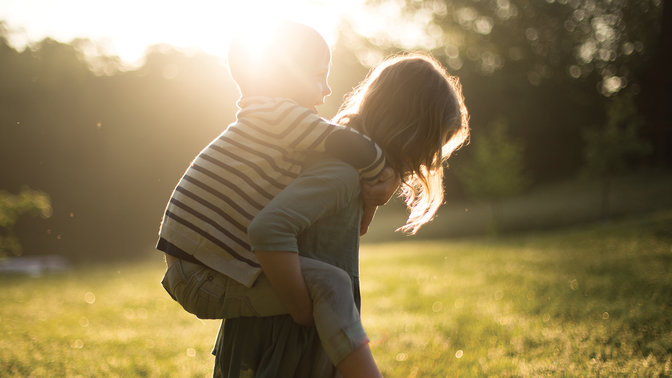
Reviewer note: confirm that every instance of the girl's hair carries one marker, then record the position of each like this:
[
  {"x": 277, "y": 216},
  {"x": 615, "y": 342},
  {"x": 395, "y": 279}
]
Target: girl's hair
[{"x": 415, "y": 112}]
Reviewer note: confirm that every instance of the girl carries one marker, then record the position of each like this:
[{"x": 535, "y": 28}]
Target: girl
[{"x": 415, "y": 112}]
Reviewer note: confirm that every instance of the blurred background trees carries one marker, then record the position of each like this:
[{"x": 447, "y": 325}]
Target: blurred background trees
[
  {"x": 12, "y": 207},
  {"x": 610, "y": 147},
  {"x": 107, "y": 143},
  {"x": 494, "y": 170}
]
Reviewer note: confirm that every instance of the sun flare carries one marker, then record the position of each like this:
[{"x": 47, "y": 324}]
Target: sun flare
[{"x": 127, "y": 27}]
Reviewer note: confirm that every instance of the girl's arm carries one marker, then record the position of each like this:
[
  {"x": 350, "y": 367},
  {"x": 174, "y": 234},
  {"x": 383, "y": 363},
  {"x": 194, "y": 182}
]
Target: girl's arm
[
  {"x": 284, "y": 273},
  {"x": 377, "y": 194},
  {"x": 318, "y": 191}
]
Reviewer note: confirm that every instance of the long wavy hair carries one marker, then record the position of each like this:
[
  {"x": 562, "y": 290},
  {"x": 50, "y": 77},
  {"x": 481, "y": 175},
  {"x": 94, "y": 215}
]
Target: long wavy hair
[{"x": 414, "y": 110}]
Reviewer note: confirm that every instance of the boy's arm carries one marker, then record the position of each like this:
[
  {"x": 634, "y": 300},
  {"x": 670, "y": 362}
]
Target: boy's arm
[
  {"x": 357, "y": 150},
  {"x": 295, "y": 128}
]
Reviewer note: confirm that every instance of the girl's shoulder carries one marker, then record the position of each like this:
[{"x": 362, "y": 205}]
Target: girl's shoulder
[{"x": 332, "y": 172}]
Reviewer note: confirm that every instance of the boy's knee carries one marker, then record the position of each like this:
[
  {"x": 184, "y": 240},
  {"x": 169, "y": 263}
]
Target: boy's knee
[{"x": 332, "y": 284}]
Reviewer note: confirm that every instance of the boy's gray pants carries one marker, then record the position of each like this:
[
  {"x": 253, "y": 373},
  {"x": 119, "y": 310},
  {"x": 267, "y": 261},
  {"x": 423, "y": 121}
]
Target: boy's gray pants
[{"x": 209, "y": 294}]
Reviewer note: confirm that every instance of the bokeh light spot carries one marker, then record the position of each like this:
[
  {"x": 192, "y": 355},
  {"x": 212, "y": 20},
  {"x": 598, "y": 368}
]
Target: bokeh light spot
[
  {"x": 575, "y": 71},
  {"x": 89, "y": 297}
]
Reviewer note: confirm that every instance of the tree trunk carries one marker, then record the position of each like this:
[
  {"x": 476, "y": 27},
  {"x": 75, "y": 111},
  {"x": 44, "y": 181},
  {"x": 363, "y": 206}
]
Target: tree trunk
[
  {"x": 656, "y": 99},
  {"x": 605, "y": 206}
]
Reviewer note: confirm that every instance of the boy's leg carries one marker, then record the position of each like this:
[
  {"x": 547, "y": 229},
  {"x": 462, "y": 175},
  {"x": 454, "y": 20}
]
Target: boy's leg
[
  {"x": 336, "y": 317},
  {"x": 209, "y": 294}
]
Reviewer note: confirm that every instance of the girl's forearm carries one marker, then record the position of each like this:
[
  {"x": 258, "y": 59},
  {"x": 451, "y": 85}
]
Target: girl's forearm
[{"x": 283, "y": 270}]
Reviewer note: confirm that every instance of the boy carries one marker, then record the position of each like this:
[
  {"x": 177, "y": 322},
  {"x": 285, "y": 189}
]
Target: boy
[{"x": 204, "y": 231}]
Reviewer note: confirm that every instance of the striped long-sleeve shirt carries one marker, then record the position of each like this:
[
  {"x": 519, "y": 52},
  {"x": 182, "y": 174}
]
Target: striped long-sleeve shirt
[{"x": 245, "y": 167}]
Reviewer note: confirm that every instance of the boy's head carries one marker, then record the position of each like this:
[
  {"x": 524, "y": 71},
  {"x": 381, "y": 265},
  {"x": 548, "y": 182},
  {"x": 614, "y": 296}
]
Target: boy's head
[{"x": 290, "y": 60}]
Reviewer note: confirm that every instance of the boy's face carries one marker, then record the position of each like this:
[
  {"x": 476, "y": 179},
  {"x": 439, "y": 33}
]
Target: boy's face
[{"x": 312, "y": 86}]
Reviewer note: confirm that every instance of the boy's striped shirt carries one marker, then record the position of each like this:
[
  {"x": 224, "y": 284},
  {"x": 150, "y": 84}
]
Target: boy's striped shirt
[{"x": 237, "y": 174}]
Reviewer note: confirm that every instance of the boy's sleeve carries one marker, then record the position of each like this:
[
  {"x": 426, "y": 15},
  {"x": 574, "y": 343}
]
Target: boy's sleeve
[
  {"x": 355, "y": 149},
  {"x": 296, "y": 128}
]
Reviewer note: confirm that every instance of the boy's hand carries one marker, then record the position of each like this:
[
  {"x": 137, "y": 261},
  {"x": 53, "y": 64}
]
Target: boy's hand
[{"x": 377, "y": 194}]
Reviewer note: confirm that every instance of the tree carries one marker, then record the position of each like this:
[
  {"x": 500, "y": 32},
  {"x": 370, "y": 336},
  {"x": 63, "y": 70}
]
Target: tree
[
  {"x": 548, "y": 66},
  {"x": 608, "y": 149},
  {"x": 494, "y": 170},
  {"x": 12, "y": 206},
  {"x": 551, "y": 38}
]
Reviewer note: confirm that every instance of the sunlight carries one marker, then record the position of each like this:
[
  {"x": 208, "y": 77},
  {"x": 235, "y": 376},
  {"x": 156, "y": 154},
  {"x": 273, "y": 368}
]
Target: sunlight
[{"x": 126, "y": 27}]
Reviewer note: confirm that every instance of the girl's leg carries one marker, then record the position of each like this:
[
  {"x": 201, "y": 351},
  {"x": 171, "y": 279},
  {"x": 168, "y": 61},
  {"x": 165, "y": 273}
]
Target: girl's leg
[
  {"x": 359, "y": 363},
  {"x": 211, "y": 295}
]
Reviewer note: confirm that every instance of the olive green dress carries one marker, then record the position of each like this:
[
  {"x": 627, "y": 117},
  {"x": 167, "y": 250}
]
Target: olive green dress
[{"x": 318, "y": 214}]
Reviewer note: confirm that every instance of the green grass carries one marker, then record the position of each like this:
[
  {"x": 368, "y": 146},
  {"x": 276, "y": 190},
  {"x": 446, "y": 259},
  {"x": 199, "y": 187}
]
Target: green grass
[
  {"x": 590, "y": 301},
  {"x": 100, "y": 321},
  {"x": 582, "y": 302}
]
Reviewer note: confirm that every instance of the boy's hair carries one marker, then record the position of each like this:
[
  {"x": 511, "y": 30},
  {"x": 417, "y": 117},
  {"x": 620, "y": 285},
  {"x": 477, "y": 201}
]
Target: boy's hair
[
  {"x": 415, "y": 112},
  {"x": 260, "y": 64}
]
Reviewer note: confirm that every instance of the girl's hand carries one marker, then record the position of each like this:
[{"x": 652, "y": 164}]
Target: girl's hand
[
  {"x": 367, "y": 217},
  {"x": 283, "y": 270},
  {"x": 377, "y": 194}
]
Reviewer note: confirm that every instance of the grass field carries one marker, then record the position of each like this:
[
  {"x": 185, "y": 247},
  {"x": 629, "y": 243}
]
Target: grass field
[{"x": 589, "y": 301}]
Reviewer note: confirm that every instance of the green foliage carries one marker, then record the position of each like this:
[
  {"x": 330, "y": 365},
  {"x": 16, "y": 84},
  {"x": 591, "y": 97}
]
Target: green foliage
[
  {"x": 12, "y": 206},
  {"x": 495, "y": 169},
  {"x": 107, "y": 149},
  {"x": 548, "y": 39},
  {"x": 547, "y": 66},
  {"x": 608, "y": 148},
  {"x": 595, "y": 301},
  {"x": 108, "y": 144}
]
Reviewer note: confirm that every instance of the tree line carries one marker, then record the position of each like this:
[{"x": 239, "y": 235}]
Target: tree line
[{"x": 107, "y": 144}]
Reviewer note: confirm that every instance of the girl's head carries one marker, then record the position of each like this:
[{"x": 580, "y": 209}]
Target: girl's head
[{"x": 415, "y": 112}]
